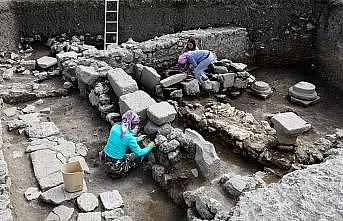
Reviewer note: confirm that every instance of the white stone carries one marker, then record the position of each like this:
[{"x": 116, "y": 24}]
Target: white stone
[
  {"x": 138, "y": 102},
  {"x": 93, "y": 216},
  {"x": 174, "y": 79},
  {"x": 58, "y": 194},
  {"x": 238, "y": 66},
  {"x": 161, "y": 113},
  {"x": 111, "y": 200},
  {"x": 42, "y": 130},
  {"x": 121, "y": 82},
  {"x": 63, "y": 56},
  {"x": 29, "y": 109},
  {"x": 290, "y": 123},
  {"x": 46, "y": 62},
  {"x": 30, "y": 119},
  {"x": 87, "y": 202},
  {"x": 46, "y": 110},
  {"x": 32, "y": 193},
  {"x": 205, "y": 156},
  {"x": 8, "y": 74},
  {"x": 10, "y": 112},
  {"x": 150, "y": 78},
  {"x": 60, "y": 213},
  {"x": 87, "y": 75},
  {"x": 112, "y": 215},
  {"x": 228, "y": 79},
  {"x": 191, "y": 88}
]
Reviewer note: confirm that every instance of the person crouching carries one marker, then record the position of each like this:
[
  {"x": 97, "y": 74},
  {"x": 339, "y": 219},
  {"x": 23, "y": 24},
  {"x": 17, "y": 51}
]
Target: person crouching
[{"x": 115, "y": 159}]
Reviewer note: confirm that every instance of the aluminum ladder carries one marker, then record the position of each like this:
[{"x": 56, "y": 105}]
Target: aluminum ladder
[{"x": 111, "y": 22}]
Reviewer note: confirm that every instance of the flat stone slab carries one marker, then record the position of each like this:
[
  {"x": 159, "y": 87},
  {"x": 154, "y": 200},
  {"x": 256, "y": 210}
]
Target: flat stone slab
[
  {"x": 112, "y": 214},
  {"x": 290, "y": 123},
  {"x": 29, "y": 119},
  {"x": 46, "y": 62},
  {"x": 174, "y": 79},
  {"x": 121, "y": 82},
  {"x": 206, "y": 156},
  {"x": 238, "y": 66},
  {"x": 32, "y": 193},
  {"x": 59, "y": 195},
  {"x": 60, "y": 213},
  {"x": 304, "y": 102},
  {"x": 111, "y": 200},
  {"x": 161, "y": 113},
  {"x": 93, "y": 216},
  {"x": 138, "y": 101},
  {"x": 82, "y": 162},
  {"x": 87, "y": 202},
  {"x": 303, "y": 91},
  {"x": 42, "y": 130}
]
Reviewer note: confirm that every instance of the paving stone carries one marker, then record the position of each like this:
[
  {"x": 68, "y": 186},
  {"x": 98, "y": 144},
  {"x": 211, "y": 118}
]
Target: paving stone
[
  {"x": 290, "y": 123},
  {"x": 30, "y": 119},
  {"x": 32, "y": 193},
  {"x": 29, "y": 109},
  {"x": 58, "y": 194},
  {"x": 87, "y": 202},
  {"x": 174, "y": 79},
  {"x": 51, "y": 180},
  {"x": 206, "y": 156},
  {"x": 87, "y": 75},
  {"x": 161, "y": 113},
  {"x": 93, "y": 216},
  {"x": 42, "y": 130},
  {"x": 29, "y": 64},
  {"x": 227, "y": 79},
  {"x": 10, "y": 112},
  {"x": 121, "y": 82},
  {"x": 150, "y": 78},
  {"x": 191, "y": 88},
  {"x": 112, "y": 215},
  {"x": 46, "y": 62},
  {"x": 82, "y": 161},
  {"x": 111, "y": 200},
  {"x": 60, "y": 213},
  {"x": 138, "y": 102}
]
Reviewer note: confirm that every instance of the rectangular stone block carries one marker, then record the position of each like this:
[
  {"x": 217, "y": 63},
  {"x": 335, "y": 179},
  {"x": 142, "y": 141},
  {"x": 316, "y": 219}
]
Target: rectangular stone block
[
  {"x": 290, "y": 123},
  {"x": 46, "y": 62},
  {"x": 174, "y": 79},
  {"x": 87, "y": 75},
  {"x": 191, "y": 88},
  {"x": 138, "y": 101},
  {"x": 150, "y": 78},
  {"x": 121, "y": 82},
  {"x": 161, "y": 113},
  {"x": 228, "y": 79}
]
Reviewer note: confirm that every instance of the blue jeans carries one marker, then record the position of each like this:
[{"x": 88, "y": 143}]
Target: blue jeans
[{"x": 202, "y": 66}]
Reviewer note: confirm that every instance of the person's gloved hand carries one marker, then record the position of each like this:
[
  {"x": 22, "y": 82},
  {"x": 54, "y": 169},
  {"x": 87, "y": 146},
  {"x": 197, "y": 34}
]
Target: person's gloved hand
[
  {"x": 142, "y": 137},
  {"x": 152, "y": 144}
]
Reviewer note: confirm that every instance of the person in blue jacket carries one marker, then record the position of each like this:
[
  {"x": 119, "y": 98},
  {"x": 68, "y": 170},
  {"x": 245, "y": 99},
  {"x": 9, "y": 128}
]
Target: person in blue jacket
[
  {"x": 197, "y": 61},
  {"x": 115, "y": 157}
]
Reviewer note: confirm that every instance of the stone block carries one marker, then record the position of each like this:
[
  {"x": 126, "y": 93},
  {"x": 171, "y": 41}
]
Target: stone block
[
  {"x": 174, "y": 79},
  {"x": 59, "y": 195},
  {"x": 150, "y": 78},
  {"x": 205, "y": 157},
  {"x": 87, "y": 202},
  {"x": 238, "y": 66},
  {"x": 46, "y": 62},
  {"x": 228, "y": 79},
  {"x": 121, "y": 82},
  {"x": 290, "y": 123},
  {"x": 42, "y": 130},
  {"x": 191, "y": 88},
  {"x": 138, "y": 102},
  {"x": 64, "y": 56},
  {"x": 161, "y": 113},
  {"x": 111, "y": 200},
  {"x": 87, "y": 75}
]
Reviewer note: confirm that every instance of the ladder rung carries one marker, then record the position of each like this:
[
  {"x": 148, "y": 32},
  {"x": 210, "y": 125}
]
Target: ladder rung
[
  {"x": 112, "y": 0},
  {"x": 110, "y": 32},
  {"x": 111, "y": 43},
  {"x": 111, "y": 11},
  {"x": 111, "y": 22}
]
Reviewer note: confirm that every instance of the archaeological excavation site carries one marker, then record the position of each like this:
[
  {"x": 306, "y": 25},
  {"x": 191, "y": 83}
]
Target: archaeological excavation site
[{"x": 171, "y": 110}]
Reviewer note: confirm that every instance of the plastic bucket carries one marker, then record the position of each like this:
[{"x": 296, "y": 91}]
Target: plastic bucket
[{"x": 72, "y": 176}]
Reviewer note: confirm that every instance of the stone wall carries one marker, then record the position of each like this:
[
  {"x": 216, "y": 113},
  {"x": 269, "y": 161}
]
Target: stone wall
[
  {"x": 330, "y": 44},
  {"x": 8, "y": 29},
  {"x": 281, "y": 31}
]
